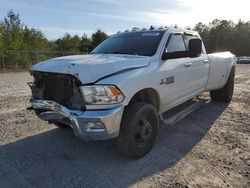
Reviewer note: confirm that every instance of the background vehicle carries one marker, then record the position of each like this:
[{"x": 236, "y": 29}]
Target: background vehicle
[
  {"x": 243, "y": 60},
  {"x": 121, "y": 89}
]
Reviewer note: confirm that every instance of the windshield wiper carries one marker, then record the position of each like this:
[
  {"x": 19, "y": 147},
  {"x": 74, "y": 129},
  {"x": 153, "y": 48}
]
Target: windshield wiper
[{"x": 117, "y": 52}]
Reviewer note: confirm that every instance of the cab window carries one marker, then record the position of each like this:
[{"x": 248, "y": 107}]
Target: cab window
[{"x": 176, "y": 44}]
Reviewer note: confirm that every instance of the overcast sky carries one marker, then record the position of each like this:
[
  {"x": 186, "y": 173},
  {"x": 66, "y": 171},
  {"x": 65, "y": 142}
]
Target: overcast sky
[{"x": 55, "y": 17}]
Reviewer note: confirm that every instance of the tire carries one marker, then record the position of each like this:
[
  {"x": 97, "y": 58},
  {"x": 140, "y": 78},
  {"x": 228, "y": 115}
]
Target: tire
[
  {"x": 139, "y": 128},
  {"x": 61, "y": 125},
  {"x": 224, "y": 94}
]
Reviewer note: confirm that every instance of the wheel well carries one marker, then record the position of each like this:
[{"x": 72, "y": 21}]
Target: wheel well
[
  {"x": 232, "y": 69},
  {"x": 148, "y": 95}
]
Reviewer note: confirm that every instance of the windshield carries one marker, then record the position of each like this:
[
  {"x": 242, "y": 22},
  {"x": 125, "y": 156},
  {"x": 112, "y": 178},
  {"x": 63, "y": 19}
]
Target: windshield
[{"x": 134, "y": 43}]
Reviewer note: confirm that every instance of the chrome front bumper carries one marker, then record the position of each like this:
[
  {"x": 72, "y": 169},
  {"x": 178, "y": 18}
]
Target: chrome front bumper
[{"x": 88, "y": 125}]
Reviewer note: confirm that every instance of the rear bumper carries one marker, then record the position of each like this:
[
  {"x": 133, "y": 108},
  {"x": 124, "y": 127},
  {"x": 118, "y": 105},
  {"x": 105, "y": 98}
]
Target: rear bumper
[{"x": 88, "y": 125}]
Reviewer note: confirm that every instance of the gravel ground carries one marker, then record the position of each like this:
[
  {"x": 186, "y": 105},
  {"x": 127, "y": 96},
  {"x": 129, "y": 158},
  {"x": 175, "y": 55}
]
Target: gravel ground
[{"x": 209, "y": 148}]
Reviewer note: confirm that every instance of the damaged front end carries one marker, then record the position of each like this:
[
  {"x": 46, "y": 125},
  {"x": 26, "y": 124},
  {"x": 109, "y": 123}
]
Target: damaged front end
[
  {"x": 60, "y": 88},
  {"x": 57, "y": 98}
]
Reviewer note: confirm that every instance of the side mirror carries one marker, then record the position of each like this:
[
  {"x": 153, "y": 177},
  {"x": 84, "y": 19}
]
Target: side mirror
[
  {"x": 194, "y": 50},
  {"x": 195, "y": 47}
]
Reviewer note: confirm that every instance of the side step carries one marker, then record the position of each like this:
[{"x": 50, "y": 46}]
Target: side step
[{"x": 181, "y": 114}]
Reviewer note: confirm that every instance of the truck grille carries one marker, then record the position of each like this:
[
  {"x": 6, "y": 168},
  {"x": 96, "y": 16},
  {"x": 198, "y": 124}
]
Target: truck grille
[{"x": 63, "y": 89}]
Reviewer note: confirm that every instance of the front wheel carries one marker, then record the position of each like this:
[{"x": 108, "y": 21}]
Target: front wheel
[
  {"x": 61, "y": 125},
  {"x": 139, "y": 128}
]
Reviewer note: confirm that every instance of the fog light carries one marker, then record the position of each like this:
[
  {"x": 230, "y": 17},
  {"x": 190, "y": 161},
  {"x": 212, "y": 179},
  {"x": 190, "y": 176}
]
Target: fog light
[{"x": 96, "y": 126}]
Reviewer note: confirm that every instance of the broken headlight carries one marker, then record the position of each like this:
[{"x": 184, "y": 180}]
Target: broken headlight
[{"x": 102, "y": 94}]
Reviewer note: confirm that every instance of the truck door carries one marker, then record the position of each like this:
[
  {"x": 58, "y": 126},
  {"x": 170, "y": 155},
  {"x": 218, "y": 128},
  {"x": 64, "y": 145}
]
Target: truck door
[
  {"x": 199, "y": 67},
  {"x": 177, "y": 74}
]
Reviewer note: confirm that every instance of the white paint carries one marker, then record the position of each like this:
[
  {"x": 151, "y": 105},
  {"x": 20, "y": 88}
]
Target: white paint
[{"x": 188, "y": 81}]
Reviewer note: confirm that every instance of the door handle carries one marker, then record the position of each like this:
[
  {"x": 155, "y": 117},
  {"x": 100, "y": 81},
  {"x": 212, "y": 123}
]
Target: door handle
[
  {"x": 188, "y": 64},
  {"x": 205, "y": 61}
]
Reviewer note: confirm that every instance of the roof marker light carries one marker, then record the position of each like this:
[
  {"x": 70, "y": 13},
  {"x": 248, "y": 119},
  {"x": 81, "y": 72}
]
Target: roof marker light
[{"x": 135, "y": 29}]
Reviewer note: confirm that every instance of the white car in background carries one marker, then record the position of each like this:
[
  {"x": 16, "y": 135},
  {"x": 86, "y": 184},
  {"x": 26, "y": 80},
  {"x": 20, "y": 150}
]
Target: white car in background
[{"x": 243, "y": 60}]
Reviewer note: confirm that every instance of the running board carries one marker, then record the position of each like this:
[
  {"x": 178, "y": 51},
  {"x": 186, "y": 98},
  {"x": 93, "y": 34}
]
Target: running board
[{"x": 181, "y": 114}]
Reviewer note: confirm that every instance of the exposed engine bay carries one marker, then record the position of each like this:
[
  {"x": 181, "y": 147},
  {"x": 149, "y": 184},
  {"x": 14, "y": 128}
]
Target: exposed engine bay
[{"x": 60, "y": 88}]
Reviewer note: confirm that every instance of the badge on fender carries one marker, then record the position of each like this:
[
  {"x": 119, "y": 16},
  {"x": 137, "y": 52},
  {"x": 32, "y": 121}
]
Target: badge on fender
[{"x": 167, "y": 80}]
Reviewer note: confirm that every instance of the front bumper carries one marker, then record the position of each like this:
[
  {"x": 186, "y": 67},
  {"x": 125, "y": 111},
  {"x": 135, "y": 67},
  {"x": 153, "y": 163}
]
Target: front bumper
[{"x": 88, "y": 125}]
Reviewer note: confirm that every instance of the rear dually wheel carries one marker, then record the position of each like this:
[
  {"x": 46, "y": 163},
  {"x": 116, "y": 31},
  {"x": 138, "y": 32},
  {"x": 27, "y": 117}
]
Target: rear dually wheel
[{"x": 224, "y": 94}]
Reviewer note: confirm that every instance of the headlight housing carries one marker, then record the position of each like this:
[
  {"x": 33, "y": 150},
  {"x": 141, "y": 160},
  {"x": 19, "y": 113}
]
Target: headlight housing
[{"x": 102, "y": 94}]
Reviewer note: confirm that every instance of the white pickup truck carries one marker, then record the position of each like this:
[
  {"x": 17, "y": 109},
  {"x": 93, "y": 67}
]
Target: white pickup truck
[{"x": 124, "y": 85}]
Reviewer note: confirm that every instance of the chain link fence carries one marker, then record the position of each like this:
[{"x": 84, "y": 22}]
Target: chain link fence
[{"x": 17, "y": 60}]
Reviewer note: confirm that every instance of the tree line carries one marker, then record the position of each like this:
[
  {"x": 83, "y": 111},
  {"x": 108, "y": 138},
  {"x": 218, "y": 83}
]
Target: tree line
[
  {"x": 219, "y": 35},
  {"x": 20, "y": 45},
  {"x": 224, "y": 35}
]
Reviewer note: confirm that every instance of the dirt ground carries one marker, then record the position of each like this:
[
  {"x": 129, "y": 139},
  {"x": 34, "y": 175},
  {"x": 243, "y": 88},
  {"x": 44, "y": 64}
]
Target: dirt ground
[{"x": 209, "y": 148}]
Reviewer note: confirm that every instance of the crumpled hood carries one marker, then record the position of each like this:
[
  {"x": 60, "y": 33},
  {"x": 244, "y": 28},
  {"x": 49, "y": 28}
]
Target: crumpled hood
[{"x": 90, "y": 68}]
